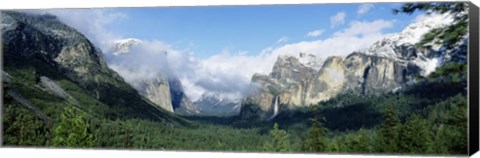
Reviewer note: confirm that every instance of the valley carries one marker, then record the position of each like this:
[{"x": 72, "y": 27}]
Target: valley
[{"x": 406, "y": 93}]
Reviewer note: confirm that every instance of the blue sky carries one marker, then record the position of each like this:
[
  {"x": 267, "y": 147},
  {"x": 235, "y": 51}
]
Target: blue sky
[{"x": 210, "y": 30}]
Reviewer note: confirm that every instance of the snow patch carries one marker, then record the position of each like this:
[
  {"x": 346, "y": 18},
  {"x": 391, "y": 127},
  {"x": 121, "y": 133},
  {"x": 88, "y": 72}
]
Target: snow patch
[
  {"x": 307, "y": 60},
  {"x": 123, "y": 46}
]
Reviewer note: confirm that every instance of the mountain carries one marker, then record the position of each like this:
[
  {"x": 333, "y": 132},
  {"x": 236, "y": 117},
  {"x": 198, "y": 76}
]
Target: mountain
[
  {"x": 162, "y": 87},
  {"x": 50, "y": 64},
  {"x": 210, "y": 104},
  {"x": 123, "y": 46},
  {"x": 387, "y": 65}
]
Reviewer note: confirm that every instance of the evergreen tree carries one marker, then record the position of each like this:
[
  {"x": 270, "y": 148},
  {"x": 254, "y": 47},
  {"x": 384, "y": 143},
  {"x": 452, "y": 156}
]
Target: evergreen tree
[
  {"x": 360, "y": 142},
  {"x": 280, "y": 142},
  {"x": 388, "y": 132},
  {"x": 73, "y": 129},
  {"x": 414, "y": 137},
  {"x": 316, "y": 140},
  {"x": 22, "y": 127},
  {"x": 458, "y": 127},
  {"x": 441, "y": 7}
]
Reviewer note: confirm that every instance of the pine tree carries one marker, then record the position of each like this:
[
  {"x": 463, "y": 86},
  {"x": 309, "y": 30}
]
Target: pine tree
[
  {"x": 387, "y": 140},
  {"x": 280, "y": 140},
  {"x": 442, "y": 7},
  {"x": 414, "y": 136},
  {"x": 360, "y": 142},
  {"x": 73, "y": 130},
  {"x": 316, "y": 140},
  {"x": 458, "y": 127}
]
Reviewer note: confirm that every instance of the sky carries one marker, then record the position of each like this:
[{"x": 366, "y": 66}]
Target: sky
[
  {"x": 217, "y": 49},
  {"x": 211, "y": 30}
]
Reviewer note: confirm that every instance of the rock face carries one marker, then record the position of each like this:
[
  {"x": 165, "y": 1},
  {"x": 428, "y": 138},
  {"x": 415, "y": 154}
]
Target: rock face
[
  {"x": 385, "y": 66},
  {"x": 163, "y": 89},
  {"x": 290, "y": 81},
  {"x": 57, "y": 90},
  {"x": 182, "y": 105},
  {"x": 156, "y": 90},
  {"x": 57, "y": 51}
]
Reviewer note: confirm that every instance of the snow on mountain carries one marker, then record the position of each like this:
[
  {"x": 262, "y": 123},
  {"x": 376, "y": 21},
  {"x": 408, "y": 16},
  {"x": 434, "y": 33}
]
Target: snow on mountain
[
  {"x": 401, "y": 46},
  {"x": 411, "y": 35},
  {"x": 215, "y": 104},
  {"x": 123, "y": 46}
]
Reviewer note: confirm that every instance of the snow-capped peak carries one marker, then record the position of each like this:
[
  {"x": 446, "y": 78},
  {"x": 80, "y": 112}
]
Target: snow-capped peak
[
  {"x": 401, "y": 46},
  {"x": 411, "y": 35},
  {"x": 123, "y": 46},
  {"x": 215, "y": 104}
]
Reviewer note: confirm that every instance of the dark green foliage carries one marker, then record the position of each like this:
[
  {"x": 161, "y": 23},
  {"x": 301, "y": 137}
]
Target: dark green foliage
[
  {"x": 387, "y": 140},
  {"x": 452, "y": 72},
  {"x": 279, "y": 141},
  {"x": 144, "y": 134},
  {"x": 414, "y": 136},
  {"x": 450, "y": 125},
  {"x": 361, "y": 141},
  {"x": 440, "y": 7},
  {"x": 316, "y": 140},
  {"x": 21, "y": 127},
  {"x": 429, "y": 36},
  {"x": 446, "y": 36}
]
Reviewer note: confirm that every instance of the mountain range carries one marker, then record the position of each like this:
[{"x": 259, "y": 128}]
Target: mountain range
[{"x": 53, "y": 51}]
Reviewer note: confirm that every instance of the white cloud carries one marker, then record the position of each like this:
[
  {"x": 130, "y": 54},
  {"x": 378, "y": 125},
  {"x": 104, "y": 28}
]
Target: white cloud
[
  {"x": 364, "y": 8},
  {"x": 283, "y": 39},
  {"x": 364, "y": 28},
  {"x": 338, "y": 19},
  {"x": 357, "y": 36},
  {"x": 315, "y": 33}
]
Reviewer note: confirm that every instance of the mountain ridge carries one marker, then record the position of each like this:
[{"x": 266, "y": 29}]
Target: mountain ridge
[{"x": 385, "y": 66}]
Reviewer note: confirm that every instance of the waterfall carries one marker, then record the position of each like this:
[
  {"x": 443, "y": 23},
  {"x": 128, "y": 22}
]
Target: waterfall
[{"x": 275, "y": 109}]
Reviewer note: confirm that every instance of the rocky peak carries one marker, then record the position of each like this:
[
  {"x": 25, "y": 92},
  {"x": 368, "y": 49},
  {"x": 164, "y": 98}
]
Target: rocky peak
[
  {"x": 307, "y": 60},
  {"x": 216, "y": 105},
  {"x": 161, "y": 87},
  {"x": 289, "y": 69}
]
